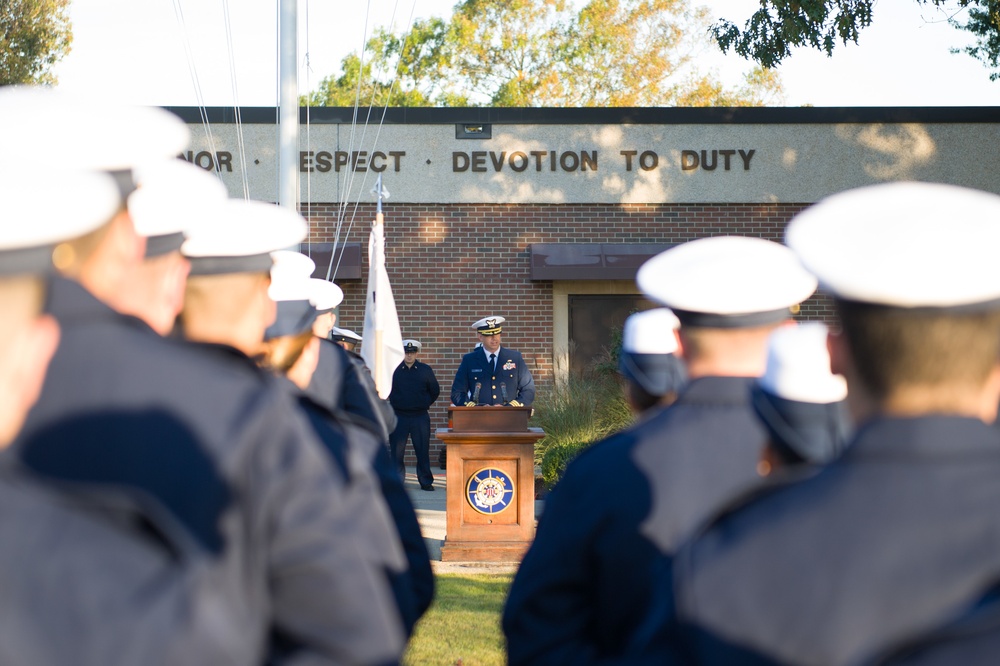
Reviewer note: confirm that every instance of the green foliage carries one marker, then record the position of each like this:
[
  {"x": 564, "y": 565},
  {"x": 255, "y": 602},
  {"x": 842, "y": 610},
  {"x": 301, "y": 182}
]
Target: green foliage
[
  {"x": 507, "y": 50},
  {"x": 772, "y": 30},
  {"x": 768, "y": 35},
  {"x": 463, "y": 623},
  {"x": 397, "y": 70},
  {"x": 34, "y": 36},
  {"x": 983, "y": 22},
  {"x": 521, "y": 53},
  {"x": 576, "y": 414}
]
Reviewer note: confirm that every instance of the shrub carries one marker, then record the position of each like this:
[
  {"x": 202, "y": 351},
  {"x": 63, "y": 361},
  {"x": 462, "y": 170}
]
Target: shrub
[{"x": 576, "y": 414}]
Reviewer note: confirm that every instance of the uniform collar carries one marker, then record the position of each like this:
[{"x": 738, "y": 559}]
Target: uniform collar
[
  {"x": 70, "y": 302},
  {"x": 719, "y": 390},
  {"x": 323, "y": 388},
  {"x": 497, "y": 352},
  {"x": 929, "y": 436}
]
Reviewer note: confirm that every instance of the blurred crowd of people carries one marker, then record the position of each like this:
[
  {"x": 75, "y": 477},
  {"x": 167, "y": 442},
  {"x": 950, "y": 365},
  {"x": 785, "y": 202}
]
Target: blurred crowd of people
[
  {"x": 792, "y": 494},
  {"x": 193, "y": 472},
  {"x": 204, "y": 476}
]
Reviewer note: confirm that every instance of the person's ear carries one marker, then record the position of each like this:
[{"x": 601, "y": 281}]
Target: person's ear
[
  {"x": 680, "y": 345},
  {"x": 840, "y": 355},
  {"x": 175, "y": 284}
]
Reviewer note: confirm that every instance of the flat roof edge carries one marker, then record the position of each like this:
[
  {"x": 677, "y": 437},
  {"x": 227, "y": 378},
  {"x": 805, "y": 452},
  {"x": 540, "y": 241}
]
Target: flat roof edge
[{"x": 598, "y": 116}]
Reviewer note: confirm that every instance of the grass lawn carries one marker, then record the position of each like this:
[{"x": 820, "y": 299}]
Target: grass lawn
[{"x": 463, "y": 623}]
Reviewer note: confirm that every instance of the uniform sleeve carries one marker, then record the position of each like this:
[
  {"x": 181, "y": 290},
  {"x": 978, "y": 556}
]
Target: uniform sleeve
[
  {"x": 433, "y": 387},
  {"x": 394, "y": 392},
  {"x": 330, "y": 603},
  {"x": 525, "y": 384},
  {"x": 460, "y": 387},
  {"x": 361, "y": 398}
]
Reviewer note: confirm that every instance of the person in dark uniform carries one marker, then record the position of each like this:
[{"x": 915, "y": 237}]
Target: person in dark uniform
[
  {"x": 228, "y": 308},
  {"x": 897, "y": 536},
  {"x": 54, "y": 549},
  {"x": 625, "y": 504},
  {"x": 414, "y": 390},
  {"x": 348, "y": 341},
  {"x": 802, "y": 405},
  {"x": 492, "y": 375},
  {"x": 201, "y": 466},
  {"x": 28, "y": 337},
  {"x": 340, "y": 379},
  {"x": 345, "y": 338},
  {"x": 155, "y": 293},
  {"x": 377, "y": 494},
  {"x": 648, "y": 361}
]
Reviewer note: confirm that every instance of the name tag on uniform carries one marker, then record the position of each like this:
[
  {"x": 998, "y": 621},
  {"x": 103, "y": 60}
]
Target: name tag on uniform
[{"x": 477, "y": 370}]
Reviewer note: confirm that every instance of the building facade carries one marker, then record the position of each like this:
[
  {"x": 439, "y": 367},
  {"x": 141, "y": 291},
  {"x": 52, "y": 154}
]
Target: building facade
[{"x": 544, "y": 215}]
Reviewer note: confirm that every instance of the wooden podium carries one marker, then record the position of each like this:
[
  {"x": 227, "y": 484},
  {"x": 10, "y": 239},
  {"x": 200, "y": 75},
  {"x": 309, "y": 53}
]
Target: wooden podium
[{"x": 491, "y": 483}]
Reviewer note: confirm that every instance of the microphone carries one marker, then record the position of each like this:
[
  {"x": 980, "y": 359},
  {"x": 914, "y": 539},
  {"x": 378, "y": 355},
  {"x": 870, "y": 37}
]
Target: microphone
[
  {"x": 503, "y": 392},
  {"x": 475, "y": 394}
]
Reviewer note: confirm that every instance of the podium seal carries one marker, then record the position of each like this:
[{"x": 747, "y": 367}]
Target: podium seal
[{"x": 490, "y": 491}]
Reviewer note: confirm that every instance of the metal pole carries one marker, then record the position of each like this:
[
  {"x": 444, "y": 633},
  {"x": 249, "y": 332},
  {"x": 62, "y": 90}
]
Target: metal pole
[{"x": 288, "y": 116}]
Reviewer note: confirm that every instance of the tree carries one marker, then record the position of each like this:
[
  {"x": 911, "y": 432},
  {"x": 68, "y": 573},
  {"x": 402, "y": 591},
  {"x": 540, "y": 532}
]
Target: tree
[
  {"x": 508, "y": 51},
  {"x": 768, "y": 35},
  {"x": 542, "y": 53},
  {"x": 645, "y": 53},
  {"x": 34, "y": 36},
  {"x": 397, "y": 70}
]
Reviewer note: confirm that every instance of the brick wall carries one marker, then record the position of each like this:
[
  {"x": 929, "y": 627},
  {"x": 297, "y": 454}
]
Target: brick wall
[{"x": 452, "y": 264}]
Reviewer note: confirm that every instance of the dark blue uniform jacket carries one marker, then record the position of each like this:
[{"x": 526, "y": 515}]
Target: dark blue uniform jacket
[
  {"x": 344, "y": 384},
  {"x": 512, "y": 376},
  {"x": 623, "y": 505},
  {"x": 203, "y": 434},
  {"x": 414, "y": 389},
  {"x": 889, "y": 542},
  {"x": 413, "y": 588}
]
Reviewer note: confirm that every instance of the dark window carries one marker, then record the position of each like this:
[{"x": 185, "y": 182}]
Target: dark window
[{"x": 595, "y": 323}]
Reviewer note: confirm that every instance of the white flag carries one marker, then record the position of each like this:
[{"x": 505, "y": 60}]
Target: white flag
[{"x": 382, "y": 341}]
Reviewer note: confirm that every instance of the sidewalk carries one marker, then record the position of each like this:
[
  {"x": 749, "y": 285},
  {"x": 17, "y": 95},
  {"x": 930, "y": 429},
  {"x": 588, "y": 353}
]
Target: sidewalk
[{"x": 430, "y": 507}]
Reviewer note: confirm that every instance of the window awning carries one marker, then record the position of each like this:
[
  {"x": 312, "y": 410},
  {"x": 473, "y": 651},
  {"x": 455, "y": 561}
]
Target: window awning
[
  {"x": 348, "y": 254},
  {"x": 591, "y": 261}
]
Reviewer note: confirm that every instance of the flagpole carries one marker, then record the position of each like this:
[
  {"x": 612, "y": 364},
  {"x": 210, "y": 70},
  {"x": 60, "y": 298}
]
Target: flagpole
[
  {"x": 382, "y": 343},
  {"x": 379, "y": 222},
  {"x": 288, "y": 116}
]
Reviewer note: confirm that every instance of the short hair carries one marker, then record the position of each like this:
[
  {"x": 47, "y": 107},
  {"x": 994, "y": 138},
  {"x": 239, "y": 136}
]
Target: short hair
[
  {"x": 896, "y": 347},
  {"x": 220, "y": 297},
  {"x": 281, "y": 353},
  {"x": 707, "y": 342},
  {"x": 69, "y": 256}
]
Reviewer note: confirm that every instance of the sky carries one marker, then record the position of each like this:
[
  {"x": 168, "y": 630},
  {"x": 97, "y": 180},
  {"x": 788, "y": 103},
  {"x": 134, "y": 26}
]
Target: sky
[{"x": 136, "y": 51}]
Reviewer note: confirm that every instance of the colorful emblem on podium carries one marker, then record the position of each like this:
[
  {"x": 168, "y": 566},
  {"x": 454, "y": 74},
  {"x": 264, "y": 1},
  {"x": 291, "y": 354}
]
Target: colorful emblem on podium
[{"x": 490, "y": 490}]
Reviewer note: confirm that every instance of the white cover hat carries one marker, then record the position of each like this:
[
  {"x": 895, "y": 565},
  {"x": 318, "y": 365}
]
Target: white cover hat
[
  {"x": 798, "y": 366},
  {"x": 36, "y": 220},
  {"x": 86, "y": 131},
  {"x": 344, "y": 334},
  {"x": 243, "y": 238},
  {"x": 490, "y": 325},
  {"x": 904, "y": 245},
  {"x": 290, "y": 290},
  {"x": 650, "y": 332},
  {"x": 727, "y": 281},
  {"x": 325, "y": 295},
  {"x": 173, "y": 197}
]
